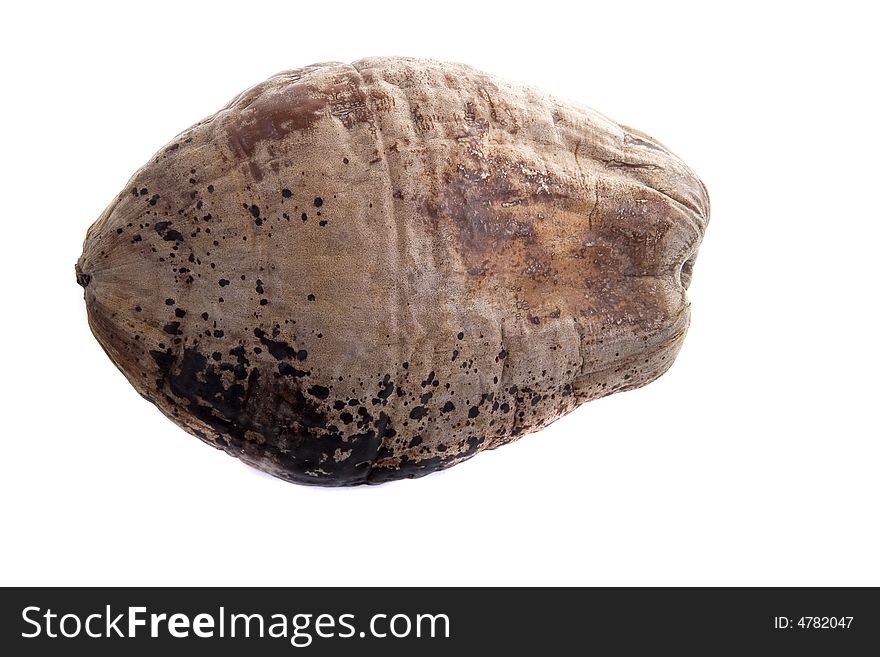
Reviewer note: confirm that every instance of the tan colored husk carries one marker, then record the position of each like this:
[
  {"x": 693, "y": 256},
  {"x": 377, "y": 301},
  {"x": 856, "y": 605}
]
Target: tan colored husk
[{"x": 357, "y": 273}]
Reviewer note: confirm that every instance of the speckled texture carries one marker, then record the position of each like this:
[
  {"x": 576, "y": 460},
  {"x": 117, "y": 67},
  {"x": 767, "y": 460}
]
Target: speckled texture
[{"x": 358, "y": 273}]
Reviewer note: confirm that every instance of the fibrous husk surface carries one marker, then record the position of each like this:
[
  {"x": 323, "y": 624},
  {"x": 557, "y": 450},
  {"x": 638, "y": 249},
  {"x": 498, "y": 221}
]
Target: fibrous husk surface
[{"x": 361, "y": 272}]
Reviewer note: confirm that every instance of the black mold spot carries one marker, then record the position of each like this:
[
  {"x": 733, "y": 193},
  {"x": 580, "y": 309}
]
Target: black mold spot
[
  {"x": 387, "y": 388},
  {"x": 278, "y": 349},
  {"x": 321, "y": 392},
  {"x": 164, "y": 361},
  {"x": 255, "y": 213},
  {"x": 162, "y": 227},
  {"x": 410, "y": 469},
  {"x": 286, "y": 369},
  {"x": 210, "y": 401}
]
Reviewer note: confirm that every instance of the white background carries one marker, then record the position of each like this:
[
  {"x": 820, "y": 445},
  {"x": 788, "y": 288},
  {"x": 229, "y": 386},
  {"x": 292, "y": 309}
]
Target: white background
[{"x": 754, "y": 461}]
